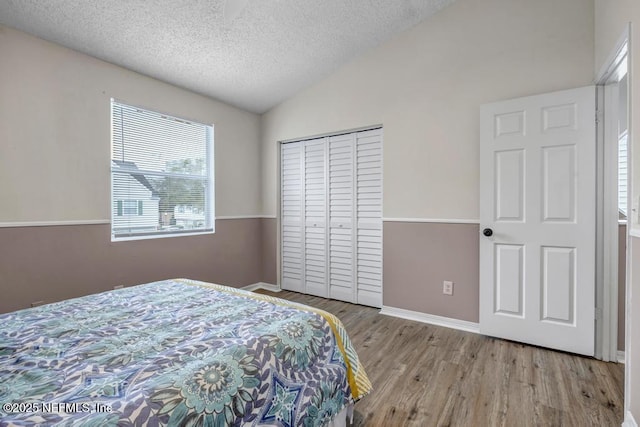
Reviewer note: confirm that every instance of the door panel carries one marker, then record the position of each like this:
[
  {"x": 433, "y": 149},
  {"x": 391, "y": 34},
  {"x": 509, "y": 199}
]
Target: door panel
[
  {"x": 537, "y": 194},
  {"x": 558, "y": 284},
  {"x": 369, "y": 217},
  {"x": 315, "y": 218},
  {"x": 509, "y": 282},
  {"x": 559, "y": 183},
  {"x": 291, "y": 211},
  {"x": 509, "y": 184},
  {"x": 341, "y": 212}
]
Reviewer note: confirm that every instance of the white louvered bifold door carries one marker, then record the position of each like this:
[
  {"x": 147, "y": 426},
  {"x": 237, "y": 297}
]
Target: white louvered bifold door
[
  {"x": 292, "y": 191},
  {"x": 332, "y": 217},
  {"x": 342, "y": 218},
  {"x": 369, "y": 217},
  {"x": 315, "y": 216}
]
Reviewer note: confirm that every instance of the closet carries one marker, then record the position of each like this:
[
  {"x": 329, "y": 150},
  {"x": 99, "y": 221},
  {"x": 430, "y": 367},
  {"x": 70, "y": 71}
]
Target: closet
[{"x": 331, "y": 216}]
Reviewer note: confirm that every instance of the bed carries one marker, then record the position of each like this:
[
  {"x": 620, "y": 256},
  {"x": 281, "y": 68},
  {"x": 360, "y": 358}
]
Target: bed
[{"x": 176, "y": 352}]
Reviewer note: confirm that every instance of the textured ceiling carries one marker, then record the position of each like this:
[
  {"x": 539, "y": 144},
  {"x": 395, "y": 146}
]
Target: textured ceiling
[{"x": 249, "y": 53}]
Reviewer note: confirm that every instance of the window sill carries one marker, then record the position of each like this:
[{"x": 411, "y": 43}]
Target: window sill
[{"x": 159, "y": 236}]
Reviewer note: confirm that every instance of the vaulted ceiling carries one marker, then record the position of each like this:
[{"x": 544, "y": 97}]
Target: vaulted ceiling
[{"x": 249, "y": 53}]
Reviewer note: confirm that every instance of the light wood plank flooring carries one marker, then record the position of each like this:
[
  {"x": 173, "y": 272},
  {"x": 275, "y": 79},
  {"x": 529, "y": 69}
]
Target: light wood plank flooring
[{"x": 427, "y": 375}]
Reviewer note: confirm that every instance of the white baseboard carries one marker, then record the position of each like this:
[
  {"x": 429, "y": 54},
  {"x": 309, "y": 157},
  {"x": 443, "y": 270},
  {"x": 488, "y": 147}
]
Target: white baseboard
[
  {"x": 629, "y": 421},
  {"x": 620, "y": 356},
  {"x": 262, "y": 285},
  {"x": 431, "y": 319}
]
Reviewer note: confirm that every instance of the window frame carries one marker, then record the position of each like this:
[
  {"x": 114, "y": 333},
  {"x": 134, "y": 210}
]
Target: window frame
[{"x": 209, "y": 199}]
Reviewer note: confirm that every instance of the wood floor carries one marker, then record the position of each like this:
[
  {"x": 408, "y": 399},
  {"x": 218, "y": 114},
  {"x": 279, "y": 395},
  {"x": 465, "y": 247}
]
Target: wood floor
[{"x": 426, "y": 375}]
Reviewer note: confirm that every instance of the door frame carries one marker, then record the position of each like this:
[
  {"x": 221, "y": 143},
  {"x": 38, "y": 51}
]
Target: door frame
[{"x": 607, "y": 225}]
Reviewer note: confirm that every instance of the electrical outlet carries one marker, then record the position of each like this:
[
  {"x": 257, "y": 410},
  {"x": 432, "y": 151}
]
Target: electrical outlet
[
  {"x": 447, "y": 287},
  {"x": 118, "y": 287},
  {"x": 36, "y": 303}
]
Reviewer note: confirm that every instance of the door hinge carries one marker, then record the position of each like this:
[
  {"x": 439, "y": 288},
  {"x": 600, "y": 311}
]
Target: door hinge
[
  {"x": 598, "y": 314},
  {"x": 598, "y": 116}
]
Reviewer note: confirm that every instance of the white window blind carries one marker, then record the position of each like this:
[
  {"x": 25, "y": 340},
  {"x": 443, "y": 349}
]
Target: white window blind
[
  {"x": 622, "y": 174},
  {"x": 161, "y": 174}
]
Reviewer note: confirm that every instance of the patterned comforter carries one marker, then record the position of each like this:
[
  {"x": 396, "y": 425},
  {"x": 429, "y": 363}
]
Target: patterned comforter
[{"x": 176, "y": 352}]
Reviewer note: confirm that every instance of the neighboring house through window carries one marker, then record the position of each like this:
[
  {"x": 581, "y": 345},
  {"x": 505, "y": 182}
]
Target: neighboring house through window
[
  {"x": 161, "y": 174},
  {"x": 129, "y": 207}
]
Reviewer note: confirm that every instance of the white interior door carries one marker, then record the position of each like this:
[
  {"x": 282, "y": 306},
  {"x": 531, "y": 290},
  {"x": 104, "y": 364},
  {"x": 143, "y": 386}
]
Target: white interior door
[{"x": 538, "y": 203}]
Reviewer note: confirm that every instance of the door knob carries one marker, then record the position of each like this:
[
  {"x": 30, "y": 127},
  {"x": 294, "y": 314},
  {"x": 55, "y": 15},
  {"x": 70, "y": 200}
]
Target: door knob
[{"x": 487, "y": 232}]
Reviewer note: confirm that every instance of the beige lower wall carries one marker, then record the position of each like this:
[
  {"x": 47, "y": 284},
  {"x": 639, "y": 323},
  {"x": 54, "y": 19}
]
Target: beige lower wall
[
  {"x": 58, "y": 262},
  {"x": 270, "y": 250},
  {"x": 418, "y": 257}
]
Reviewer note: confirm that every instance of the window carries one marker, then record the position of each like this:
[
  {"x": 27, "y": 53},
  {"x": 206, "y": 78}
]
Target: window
[{"x": 161, "y": 174}]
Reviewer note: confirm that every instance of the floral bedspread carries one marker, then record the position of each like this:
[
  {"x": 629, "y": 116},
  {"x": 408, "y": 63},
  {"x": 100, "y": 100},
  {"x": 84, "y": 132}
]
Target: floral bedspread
[{"x": 175, "y": 352}]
